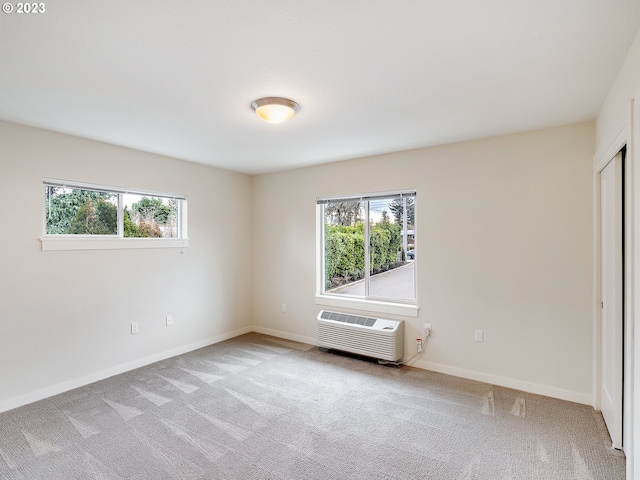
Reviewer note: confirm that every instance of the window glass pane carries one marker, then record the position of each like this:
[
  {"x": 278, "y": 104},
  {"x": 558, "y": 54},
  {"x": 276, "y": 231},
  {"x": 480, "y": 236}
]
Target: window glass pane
[
  {"x": 344, "y": 248},
  {"x": 391, "y": 276},
  {"x": 73, "y": 211},
  {"x": 375, "y": 262},
  {"x": 150, "y": 217}
]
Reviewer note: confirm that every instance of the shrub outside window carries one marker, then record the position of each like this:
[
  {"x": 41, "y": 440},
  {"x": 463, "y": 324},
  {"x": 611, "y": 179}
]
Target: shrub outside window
[{"x": 368, "y": 246}]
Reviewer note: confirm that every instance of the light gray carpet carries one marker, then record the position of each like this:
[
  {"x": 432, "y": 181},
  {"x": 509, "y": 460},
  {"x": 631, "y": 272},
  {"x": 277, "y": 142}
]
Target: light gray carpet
[{"x": 258, "y": 407}]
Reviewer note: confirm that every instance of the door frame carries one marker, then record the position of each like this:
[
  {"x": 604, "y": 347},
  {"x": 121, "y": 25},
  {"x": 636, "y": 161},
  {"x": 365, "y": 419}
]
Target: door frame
[{"x": 628, "y": 137}]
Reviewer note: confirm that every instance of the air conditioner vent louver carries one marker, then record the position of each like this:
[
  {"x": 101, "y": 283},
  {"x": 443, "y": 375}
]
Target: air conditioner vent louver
[
  {"x": 373, "y": 337},
  {"x": 343, "y": 317}
]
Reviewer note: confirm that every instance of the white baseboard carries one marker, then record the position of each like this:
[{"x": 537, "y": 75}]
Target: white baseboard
[
  {"x": 285, "y": 335},
  {"x": 545, "y": 390},
  {"x": 554, "y": 392},
  {"x": 116, "y": 370}
]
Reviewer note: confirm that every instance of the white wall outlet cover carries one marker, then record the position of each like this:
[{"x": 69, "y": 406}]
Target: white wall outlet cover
[
  {"x": 134, "y": 328},
  {"x": 169, "y": 320}
]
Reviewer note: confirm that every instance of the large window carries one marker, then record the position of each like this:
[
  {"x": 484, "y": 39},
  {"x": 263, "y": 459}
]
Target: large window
[
  {"x": 368, "y": 246},
  {"x": 86, "y": 211}
]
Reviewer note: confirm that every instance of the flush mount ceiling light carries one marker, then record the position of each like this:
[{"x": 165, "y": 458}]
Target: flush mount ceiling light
[{"x": 275, "y": 109}]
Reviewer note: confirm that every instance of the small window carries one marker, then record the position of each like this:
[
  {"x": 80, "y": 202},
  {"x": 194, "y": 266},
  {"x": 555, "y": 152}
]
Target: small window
[
  {"x": 85, "y": 211},
  {"x": 368, "y": 247}
]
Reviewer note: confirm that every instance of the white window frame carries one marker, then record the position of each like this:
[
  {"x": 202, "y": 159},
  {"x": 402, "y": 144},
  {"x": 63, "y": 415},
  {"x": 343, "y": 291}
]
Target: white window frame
[
  {"x": 113, "y": 242},
  {"x": 395, "y": 307}
]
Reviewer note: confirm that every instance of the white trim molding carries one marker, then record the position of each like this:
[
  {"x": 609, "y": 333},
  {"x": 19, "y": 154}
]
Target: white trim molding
[
  {"x": 535, "y": 388},
  {"x": 360, "y": 304},
  {"x": 109, "y": 243}
]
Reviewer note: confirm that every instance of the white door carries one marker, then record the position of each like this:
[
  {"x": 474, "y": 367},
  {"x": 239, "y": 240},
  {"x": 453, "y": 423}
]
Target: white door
[{"x": 611, "y": 296}]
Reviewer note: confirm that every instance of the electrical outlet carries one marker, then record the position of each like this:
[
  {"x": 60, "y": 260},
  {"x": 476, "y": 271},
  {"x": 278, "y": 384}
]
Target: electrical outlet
[
  {"x": 134, "y": 328},
  {"x": 479, "y": 336},
  {"x": 284, "y": 308},
  {"x": 427, "y": 330},
  {"x": 169, "y": 320}
]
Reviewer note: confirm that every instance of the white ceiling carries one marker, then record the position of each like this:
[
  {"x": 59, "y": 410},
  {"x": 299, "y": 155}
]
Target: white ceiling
[{"x": 371, "y": 76}]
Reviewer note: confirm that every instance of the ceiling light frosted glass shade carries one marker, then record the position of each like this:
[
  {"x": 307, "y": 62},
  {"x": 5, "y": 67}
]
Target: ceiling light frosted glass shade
[{"x": 275, "y": 109}]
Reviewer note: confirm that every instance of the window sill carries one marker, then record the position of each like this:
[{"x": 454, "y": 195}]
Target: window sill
[
  {"x": 117, "y": 243},
  {"x": 368, "y": 305}
]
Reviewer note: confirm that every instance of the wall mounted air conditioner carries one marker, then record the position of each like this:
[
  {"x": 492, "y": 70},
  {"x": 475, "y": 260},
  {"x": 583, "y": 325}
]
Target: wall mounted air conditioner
[{"x": 372, "y": 337}]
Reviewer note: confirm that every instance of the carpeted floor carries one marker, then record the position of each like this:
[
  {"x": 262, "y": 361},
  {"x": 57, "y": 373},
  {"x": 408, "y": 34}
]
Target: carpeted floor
[{"x": 258, "y": 407}]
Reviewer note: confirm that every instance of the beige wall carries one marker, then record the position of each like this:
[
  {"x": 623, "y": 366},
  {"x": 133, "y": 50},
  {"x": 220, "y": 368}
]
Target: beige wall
[
  {"x": 504, "y": 244},
  {"x": 615, "y": 112},
  {"x": 504, "y": 227},
  {"x": 65, "y": 315}
]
